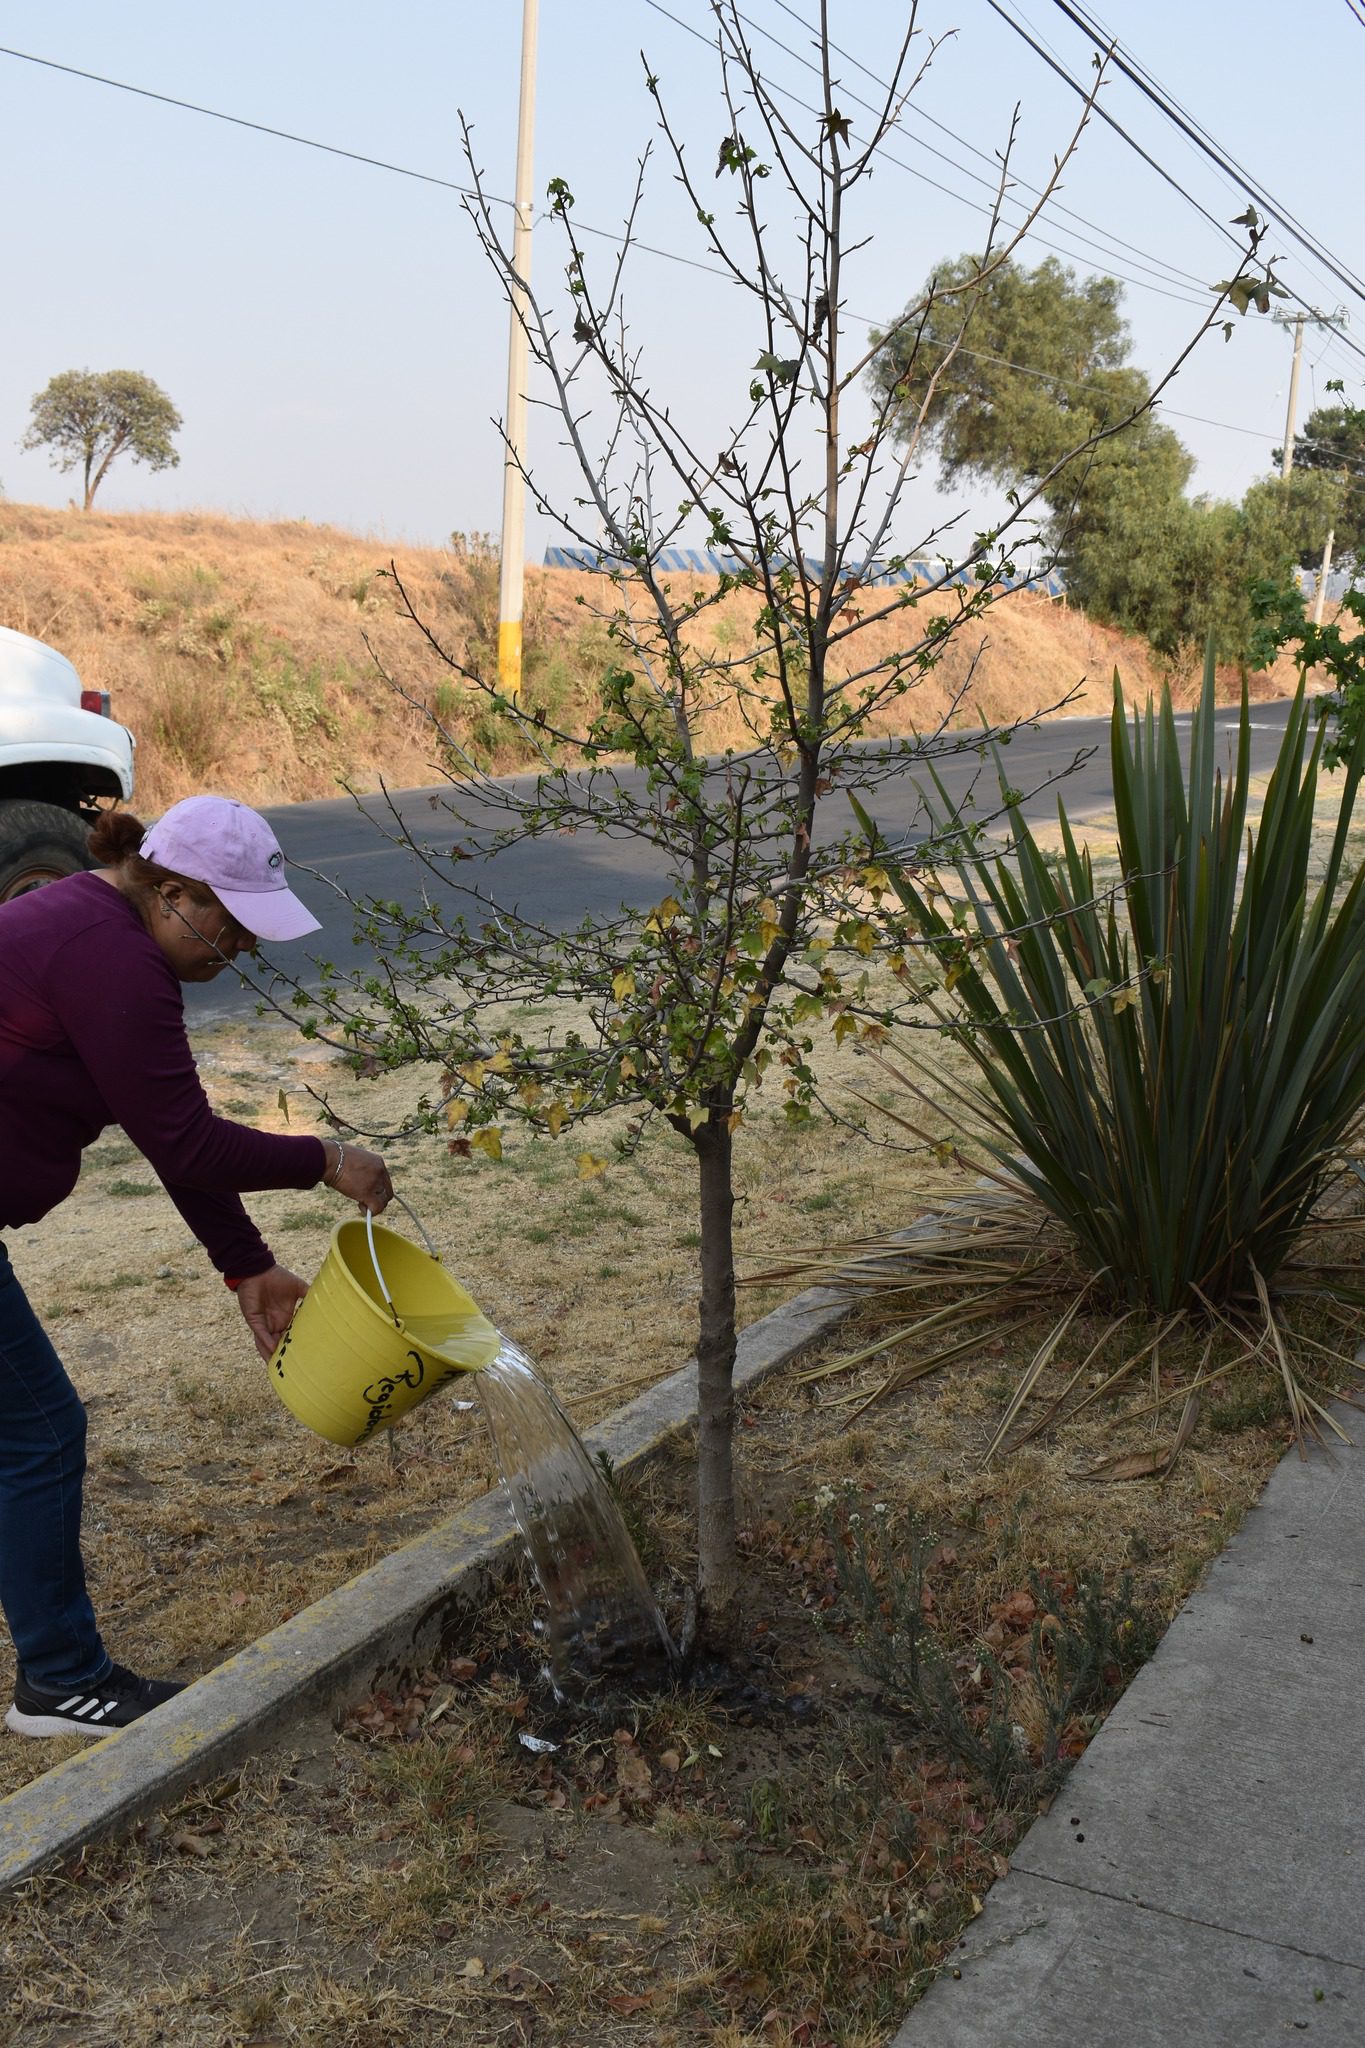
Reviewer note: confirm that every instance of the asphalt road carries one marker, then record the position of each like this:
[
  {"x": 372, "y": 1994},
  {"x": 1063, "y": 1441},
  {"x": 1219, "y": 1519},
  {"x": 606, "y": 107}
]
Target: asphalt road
[{"x": 560, "y": 879}]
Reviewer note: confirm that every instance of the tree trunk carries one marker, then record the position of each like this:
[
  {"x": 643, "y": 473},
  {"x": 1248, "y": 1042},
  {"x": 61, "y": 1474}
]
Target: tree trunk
[{"x": 718, "y": 1570}]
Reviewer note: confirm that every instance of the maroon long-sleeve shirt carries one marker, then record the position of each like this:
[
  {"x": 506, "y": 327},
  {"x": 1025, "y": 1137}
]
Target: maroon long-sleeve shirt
[{"x": 92, "y": 1032}]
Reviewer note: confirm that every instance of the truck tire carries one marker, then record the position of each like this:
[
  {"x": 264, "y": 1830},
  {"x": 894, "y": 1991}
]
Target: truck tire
[{"x": 38, "y": 843}]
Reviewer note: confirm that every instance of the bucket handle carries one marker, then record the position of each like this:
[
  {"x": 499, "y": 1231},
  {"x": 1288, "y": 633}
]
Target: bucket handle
[{"x": 374, "y": 1252}]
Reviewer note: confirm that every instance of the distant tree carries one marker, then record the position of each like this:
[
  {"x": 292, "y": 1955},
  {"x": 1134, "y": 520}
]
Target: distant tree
[
  {"x": 88, "y": 418},
  {"x": 1175, "y": 569},
  {"x": 1333, "y": 443},
  {"x": 1041, "y": 368},
  {"x": 1284, "y": 520}
]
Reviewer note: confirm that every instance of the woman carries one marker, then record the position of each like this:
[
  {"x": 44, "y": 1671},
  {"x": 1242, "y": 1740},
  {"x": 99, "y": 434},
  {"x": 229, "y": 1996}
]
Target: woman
[{"x": 92, "y": 1033}]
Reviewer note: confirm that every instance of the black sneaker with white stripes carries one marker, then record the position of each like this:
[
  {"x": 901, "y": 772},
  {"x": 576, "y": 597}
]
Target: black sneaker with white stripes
[{"x": 110, "y": 1702}]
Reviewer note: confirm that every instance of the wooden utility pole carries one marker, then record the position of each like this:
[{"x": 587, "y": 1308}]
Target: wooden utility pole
[{"x": 513, "y": 547}]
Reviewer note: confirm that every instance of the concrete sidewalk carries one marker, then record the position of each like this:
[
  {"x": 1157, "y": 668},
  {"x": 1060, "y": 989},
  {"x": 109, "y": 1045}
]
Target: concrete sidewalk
[{"x": 1200, "y": 1879}]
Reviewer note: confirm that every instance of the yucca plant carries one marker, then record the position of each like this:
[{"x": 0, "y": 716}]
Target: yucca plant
[{"x": 1169, "y": 1067}]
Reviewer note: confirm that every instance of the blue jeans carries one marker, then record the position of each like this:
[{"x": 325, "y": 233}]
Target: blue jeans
[{"x": 42, "y": 1466}]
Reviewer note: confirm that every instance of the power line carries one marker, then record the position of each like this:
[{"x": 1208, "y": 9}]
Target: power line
[
  {"x": 1109, "y": 235},
  {"x": 1105, "y": 244},
  {"x": 239, "y": 121},
  {"x": 974, "y": 206},
  {"x": 334, "y": 149},
  {"x": 464, "y": 191},
  {"x": 1356, "y": 12},
  {"x": 1189, "y": 127},
  {"x": 1054, "y": 64}
]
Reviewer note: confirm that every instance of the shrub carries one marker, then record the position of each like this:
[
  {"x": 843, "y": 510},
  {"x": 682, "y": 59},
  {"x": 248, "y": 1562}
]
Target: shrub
[
  {"x": 1169, "y": 1068},
  {"x": 1083, "y": 1645},
  {"x": 186, "y": 714}
]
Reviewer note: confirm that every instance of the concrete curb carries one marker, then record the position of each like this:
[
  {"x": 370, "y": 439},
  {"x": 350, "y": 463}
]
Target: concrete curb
[{"x": 393, "y": 1614}]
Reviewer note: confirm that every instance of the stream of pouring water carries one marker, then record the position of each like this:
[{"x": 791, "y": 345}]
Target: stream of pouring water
[{"x": 603, "y": 1621}]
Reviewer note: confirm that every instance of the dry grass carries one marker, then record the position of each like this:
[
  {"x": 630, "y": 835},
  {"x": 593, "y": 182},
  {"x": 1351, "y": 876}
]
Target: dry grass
[
  {"x": 707, "y": 1869},
  {"x": 721, "y": 1871},
  {"x": 237, "y": 650},
  {"x": 795, "y": 1889},
  {"x": 211, "y": 1513}
]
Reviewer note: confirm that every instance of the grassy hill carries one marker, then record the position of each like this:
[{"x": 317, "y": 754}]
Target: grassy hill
[{"x": 247, "y": 657}]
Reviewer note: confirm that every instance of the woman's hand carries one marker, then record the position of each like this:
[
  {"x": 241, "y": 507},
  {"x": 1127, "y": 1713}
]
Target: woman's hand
[
  {"x": 268, "y": 1301},
  {"x": 358, "y": 1174}
]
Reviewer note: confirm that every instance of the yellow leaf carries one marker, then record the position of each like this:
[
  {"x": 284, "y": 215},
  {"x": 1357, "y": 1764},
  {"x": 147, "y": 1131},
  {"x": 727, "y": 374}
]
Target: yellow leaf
[
  {"x": 769, "y": 932},
  {"x": 500, "y": 1062},
  {"x": 876, "y": 880},
  {"x": 487, "y": 1141},
  {"x": 844, "y": 1026},
  {"x": 623, "y": 984},
  {"x": 954, "y": 974},
  {"x": 1124, "y": 999},
  {"x": 865, "y": 939},
  {"x": 628, "y": 1068},
  {"x": 473, "y": 1072},
  {"x": 767, "y": 910},
  {"x": 556, "y": 1116},
  {"x": 588, "y": 1167},
  {"x": 734, "y": 1120},
  {"x": 663, "y": 916},
  {"x": 456, "y": 1112},
  {"x": 282, "y": 1104}
]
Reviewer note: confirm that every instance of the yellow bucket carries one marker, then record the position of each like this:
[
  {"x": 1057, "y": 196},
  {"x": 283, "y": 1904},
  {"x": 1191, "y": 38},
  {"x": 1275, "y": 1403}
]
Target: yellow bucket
[{"x": 353, "y": 1360}]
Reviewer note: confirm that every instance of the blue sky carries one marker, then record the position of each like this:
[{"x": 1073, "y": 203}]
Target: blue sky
[{"x": 332, "y": 333}]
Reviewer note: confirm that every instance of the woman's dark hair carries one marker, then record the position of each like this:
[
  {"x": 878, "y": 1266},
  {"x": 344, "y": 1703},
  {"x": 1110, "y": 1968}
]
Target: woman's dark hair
[
  {"x": 113, "y": 836},
  {"x": 114, "y": 839}
]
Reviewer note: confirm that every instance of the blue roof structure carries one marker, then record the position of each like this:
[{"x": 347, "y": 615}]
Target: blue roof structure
[{"x": 719, "y": 562}]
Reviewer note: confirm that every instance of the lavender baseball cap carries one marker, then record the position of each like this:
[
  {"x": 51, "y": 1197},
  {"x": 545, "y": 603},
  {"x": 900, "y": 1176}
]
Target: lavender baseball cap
[{"x": 215, "y": 839}]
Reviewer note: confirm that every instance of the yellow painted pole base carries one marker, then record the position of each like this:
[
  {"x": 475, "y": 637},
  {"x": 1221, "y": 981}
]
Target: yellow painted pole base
[{"x": 509, "y": 657}]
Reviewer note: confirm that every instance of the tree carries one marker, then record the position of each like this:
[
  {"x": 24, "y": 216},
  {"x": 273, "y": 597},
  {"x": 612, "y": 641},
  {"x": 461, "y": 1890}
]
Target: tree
[
  {"x": 89, "y": 418},
  {"x": 1046, "y": 366},
  {"x": 1043, "y": 369},
  {"x": 1178, "y": 570},
  {"x": 1333, "y": 444},
  {"x": 764, "y": 932}
]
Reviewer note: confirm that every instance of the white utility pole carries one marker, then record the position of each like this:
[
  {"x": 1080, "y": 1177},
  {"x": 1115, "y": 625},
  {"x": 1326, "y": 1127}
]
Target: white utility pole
[
  {"x": 513, "y": 549},
  {"x": 1298, "y": 321},
  {"x": 1324, "y": 572},
  {"x": 1287, "y": 458}
]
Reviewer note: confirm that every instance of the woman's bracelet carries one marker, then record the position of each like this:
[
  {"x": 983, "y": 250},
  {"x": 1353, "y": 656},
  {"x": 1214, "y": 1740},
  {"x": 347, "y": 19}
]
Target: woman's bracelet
[{"x": 329, "y": 1180}]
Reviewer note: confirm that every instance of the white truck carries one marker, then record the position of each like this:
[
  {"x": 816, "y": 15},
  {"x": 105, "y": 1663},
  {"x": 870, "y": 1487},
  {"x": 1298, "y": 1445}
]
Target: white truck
[{"x": 60, "y": 752}]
